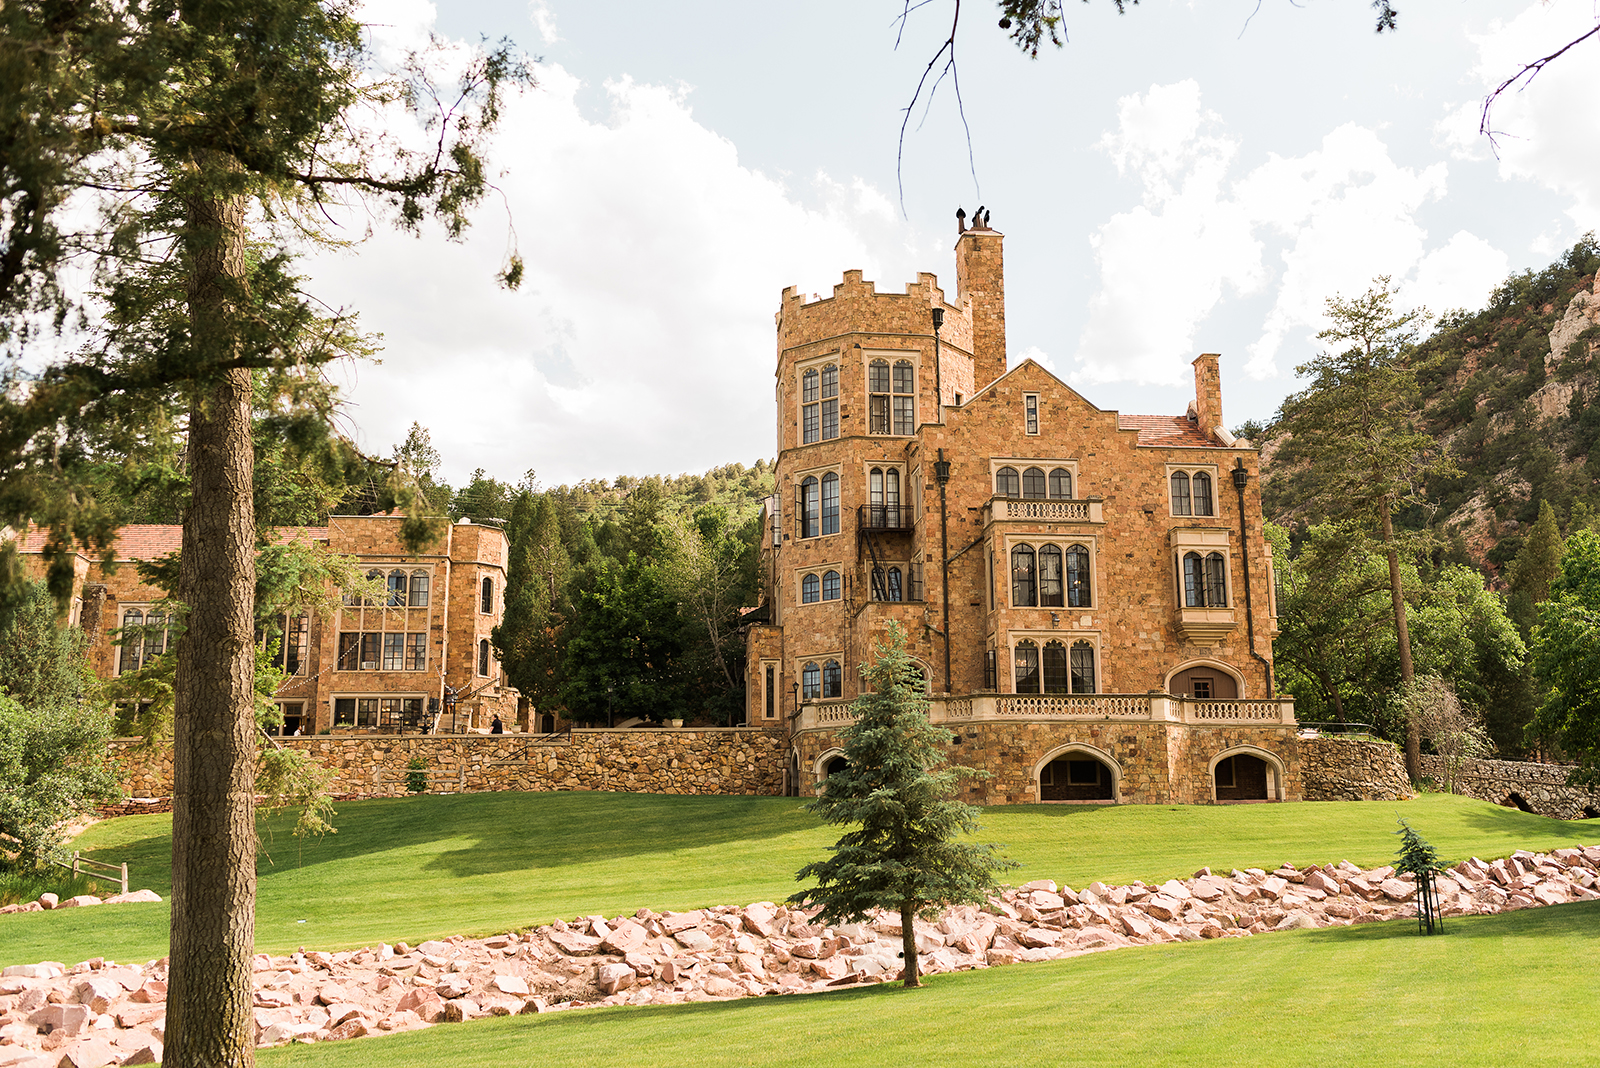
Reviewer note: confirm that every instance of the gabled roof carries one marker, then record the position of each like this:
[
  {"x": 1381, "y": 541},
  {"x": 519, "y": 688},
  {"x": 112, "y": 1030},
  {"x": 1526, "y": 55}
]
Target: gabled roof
[{"x": 151, "y": 541}]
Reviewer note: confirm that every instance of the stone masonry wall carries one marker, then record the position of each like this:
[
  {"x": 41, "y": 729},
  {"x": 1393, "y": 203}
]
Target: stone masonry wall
[
  {"x": 1541, "y": 787},
  {"x": 688, "y": 761},
  {"x": 1158, "y": 763},
  {"x": 1346, "y": 769}
]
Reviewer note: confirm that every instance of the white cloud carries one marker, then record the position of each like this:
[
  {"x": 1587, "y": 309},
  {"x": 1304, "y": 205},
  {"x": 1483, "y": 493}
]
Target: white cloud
[
  {"x": 544, "y": 21},
  {"x": 642, "y": 338},
  {"x": 1461, "y": 274},
  {"x": 1548, "y": 128},
  {"x": 1337, "y": 215}
]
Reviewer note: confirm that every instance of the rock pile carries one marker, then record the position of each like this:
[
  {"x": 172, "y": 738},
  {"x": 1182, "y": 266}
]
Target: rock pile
[
  {"x": 98, "y": 1013},
  {"x": 52, "y": 901}
]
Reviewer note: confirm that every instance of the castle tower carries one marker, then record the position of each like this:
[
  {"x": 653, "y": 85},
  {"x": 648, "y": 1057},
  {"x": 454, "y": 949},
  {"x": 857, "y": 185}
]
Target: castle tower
[{"x": 980, "y": 278}]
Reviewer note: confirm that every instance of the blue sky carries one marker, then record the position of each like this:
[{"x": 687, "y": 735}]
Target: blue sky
[{"x": 1184, "y": 178}]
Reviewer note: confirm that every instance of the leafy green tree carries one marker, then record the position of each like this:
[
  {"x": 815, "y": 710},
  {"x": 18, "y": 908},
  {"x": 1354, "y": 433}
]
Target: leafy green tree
[
  {"x": 1353, "y": 439},
  {"x": 1566, "y": 657},
  {"x": 1534, "y": 568},
  {"x": 622, "y": 654},
  {"x": 528, "y": 641},
  {"x": 217, "y": 132},
  {"x": 903, "y": 855},
  {"x": 710, "y": 565},
  {"x": 53, "y": 729}
]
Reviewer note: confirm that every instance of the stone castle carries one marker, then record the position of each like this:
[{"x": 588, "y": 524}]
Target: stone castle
[{"x": 1089, "y": 594}]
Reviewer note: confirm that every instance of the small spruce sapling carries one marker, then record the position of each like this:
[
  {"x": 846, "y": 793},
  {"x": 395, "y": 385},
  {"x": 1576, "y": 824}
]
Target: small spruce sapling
[
  {"x": 1418, "y": 858},
  {"x": 902, "y": 856},
  {"x": 417, "y": 775}
]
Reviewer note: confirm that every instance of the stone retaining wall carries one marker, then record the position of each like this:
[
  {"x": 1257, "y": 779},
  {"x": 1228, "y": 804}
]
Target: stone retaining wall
[
  {"x": 1542, "y": 788},
  {"x": 1155, "y": 763},
  {"x": 670, "y": 761},
  {"x": 1347, "y": 769}
]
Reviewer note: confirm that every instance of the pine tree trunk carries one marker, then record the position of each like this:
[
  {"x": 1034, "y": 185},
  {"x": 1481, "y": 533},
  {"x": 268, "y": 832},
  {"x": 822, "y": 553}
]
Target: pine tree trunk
[
  {"x": 1403, "y": 636},
  {"x": 908, "y": 941},
  {"x": 209, "y": 1012}
]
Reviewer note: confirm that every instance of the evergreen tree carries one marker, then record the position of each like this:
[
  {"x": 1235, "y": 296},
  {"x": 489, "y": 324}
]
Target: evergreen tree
[
  {"x": 902, "y": 856},
  {"x": 622, "y": 653},
  {"x": 1352, "y": 440},
  {"x": 1566, "y": 657},
  {"x": 217, "y": 132},
  {"x": 528, "y": 641},
  {"x": 1534, "y": 568}
]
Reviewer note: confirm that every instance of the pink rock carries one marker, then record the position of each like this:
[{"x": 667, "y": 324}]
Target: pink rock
[
  {"x": 759, "y": 919},
  {"x": 352, "y": 1028},
  {"x": 1039, "y": 937},
  {"x": 340, "y": 1012},
  {"x": 1318, "y": 880},
  {"x": 68, "y": 1019},
  {"x": 270, "y": 999},
  {"x": 1273, "y": 887},
  {"x": 453, "y": 985},
  {"x": 89, "y": 1053},
  {"x": 511, "y": 984},
  {"x": 1136, "y": 925},
  {"x": 1397, "y": 889},
  {"x": 1162, "y": 907},
  {"x": 133, "y": 897},
  {"x": 643, "y": 964},
  {"x": 81, "y": 901},
  {"x": 626, "y": 937},
  {"x": 719, "y": 987},
  {"x": 694, "y": 940},
  {"x": 151, "y": 990},
  {"x": 140, "y": 1017},
  {"x": 611, "y": 978},
  {"x": 97, "y": 992},
  {"x": 49, "y": 901},
  {"x": 148, "y": 1052}
]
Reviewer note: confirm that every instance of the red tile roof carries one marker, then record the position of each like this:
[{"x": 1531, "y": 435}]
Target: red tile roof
[
  {"x": 151, "y": 541},
  {"x": 1167, "y": 431}
]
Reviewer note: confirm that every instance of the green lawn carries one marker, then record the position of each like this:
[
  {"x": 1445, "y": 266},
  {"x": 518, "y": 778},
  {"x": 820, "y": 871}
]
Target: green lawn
[
  {"x": 1492, "y": 990},
  {"x": 419, "y": 867}
]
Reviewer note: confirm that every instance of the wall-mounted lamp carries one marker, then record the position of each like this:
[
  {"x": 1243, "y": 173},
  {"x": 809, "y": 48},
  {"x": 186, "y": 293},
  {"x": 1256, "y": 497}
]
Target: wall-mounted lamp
[
  {"x": 938, "y": 319},
  {"x": 1055, "y": 619},
  {"x": 1240, "y": 475}
]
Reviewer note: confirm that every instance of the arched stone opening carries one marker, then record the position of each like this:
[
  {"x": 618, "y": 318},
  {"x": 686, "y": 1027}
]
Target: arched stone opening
[
  {"x": 830, "y": 761},
  {"x": 1516, "y": 800},
  {"x": 1246, "y": 773},
  {"x": 1590, "y": 813},
  {"x": 547, "y": 723},
  {"x": 1078, "y": 773},
  {"x": 1205, "y": 680}
]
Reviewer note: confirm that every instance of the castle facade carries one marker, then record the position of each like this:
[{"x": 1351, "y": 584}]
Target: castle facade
[{"x": 1088, "y": 594}]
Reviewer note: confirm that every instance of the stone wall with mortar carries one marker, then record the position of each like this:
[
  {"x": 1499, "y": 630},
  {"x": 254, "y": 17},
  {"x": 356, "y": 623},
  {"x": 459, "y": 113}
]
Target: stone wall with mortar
[
  {"x": 1155, "y": 763},
  {"x": 1347, "y": 769},
  {"x": 1542, "y": 788},
  {"x": 687, "y": 761}
]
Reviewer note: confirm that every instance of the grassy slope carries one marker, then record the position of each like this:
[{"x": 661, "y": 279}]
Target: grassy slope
[
  {"x": 1376, "y": 995},
  {"x": 410, "y": 868}
]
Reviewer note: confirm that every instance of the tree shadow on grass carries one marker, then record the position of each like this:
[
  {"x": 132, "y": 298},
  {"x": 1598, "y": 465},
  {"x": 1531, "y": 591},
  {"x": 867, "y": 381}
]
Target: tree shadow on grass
[{"x": 508, "y": 831}]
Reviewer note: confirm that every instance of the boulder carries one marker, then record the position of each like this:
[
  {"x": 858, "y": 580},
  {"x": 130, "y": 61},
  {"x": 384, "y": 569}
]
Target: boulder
[
  {"x": 626, "y": 937},
  {"x": 81, "y": 901},
  {"x": 611, "y": 978},
  {"x": 147, "y": 1052},
  {"x": 133, "y": 897},
  {"x": 514, "y": 985},
  {"x": 574, "y": 944},
  {"x": 694, "y": 940},
  {"x": 94, "y": 1052},
  {"x": 354, "y": 1027},
  {"x": 49, "y": 901},
  {"x": 1162, "y": 907},
  {"x": 453, "y": 985}
]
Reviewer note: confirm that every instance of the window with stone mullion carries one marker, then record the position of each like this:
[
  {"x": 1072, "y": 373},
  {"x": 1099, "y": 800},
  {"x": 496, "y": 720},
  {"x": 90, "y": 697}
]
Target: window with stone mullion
[
  {"x": 394, "y": 652},
  {"x": 1027, "y": 667},
  {"x": 1082, "y": 659},
  {"x": 1055, "y": 668},
  {"x": 1050, "y": 594},
  {"x": 830, "y": 403},
  {"x": 905, "y": 401},
  {"x": 1024, "y": 593}
]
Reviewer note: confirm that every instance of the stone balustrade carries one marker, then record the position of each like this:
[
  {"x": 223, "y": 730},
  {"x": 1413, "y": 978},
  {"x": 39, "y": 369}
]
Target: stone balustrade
[{"x": 1135, "y": 708}]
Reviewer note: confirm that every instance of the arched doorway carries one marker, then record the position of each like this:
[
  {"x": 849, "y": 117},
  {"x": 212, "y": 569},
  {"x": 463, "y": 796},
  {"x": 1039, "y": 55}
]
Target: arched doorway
[
  {"x": 1241, "y": 777},
  {"x": 827, "y": 763},
  {"x": 1078, "y": 773},
  {"x": 1203, "y": 681},
  {"x": 838, "y": 763}
]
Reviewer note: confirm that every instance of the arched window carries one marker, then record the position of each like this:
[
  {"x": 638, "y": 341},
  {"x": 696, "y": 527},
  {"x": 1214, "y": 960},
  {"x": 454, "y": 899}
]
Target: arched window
[
  {"x": 1180, "y": 493},
  {"x": 1201, "y": 487},
  {"x": 397, "y": 589},
  {"x": 810, "y": 682},
  {"x": 483, "y": 656},
  {"x": 883, "y": 491},
  {"x": 376, "y": 578},
  {"x": 1194, "y": 581},
  {"x": 905, "y": 401},
  {"x": 830, "y": 503},
  {"x": 878, "y": 397},
  {"x": 1050, "y": 576},
  {"x": 1027, "y": 667},
  {"x": 1006, "y": 483},
  {"x": 1033, "y": 484},
  {"x": 1078, "y": 592},
  {"x": 1055, "y": 667},
  {"x": 810, "y": 410},
  {"x": 419, "y": 589},
  {"x": 155, "y": 636},
  {"x": 832, "y": 679},
  {"x": 894, "y": 584},
  {"x": 1024, "y": 593},
  {"x": 810, "y": 505},
  {"x": 1216, "y": 581},
  {"x": 880, "y": 591},
  {"x": 1061, "y": 484},
  {"x": 1083, "y": 668},
  {"x": 486, "y": 598},
  {"x": 132, "y": 641},
  {"x": 830, "y": 402},
  {"x": 810, "y": 590},
  {"x": 830, "y": 585}
]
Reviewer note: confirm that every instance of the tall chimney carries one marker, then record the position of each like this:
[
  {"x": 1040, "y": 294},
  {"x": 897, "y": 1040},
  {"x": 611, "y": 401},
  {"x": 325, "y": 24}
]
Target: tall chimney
[
  {"x": 980, "y": 275},
  {"x": 1208, "y": 394}
]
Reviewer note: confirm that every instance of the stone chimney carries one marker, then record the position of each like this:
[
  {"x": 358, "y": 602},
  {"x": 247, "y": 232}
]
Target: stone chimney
[
  {"x": 1208, "y": 395},
  {"x": 980, "y": 275}
]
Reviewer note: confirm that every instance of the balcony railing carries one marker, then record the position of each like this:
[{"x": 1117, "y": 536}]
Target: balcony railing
[
  {"x": 1046, "y": 511},
  {"x": 885, "y": 516},
  {"x": 1102, "y": 707}
]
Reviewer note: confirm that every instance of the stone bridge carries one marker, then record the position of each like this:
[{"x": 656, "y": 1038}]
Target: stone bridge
[{"x": 1540, "y": 788}]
